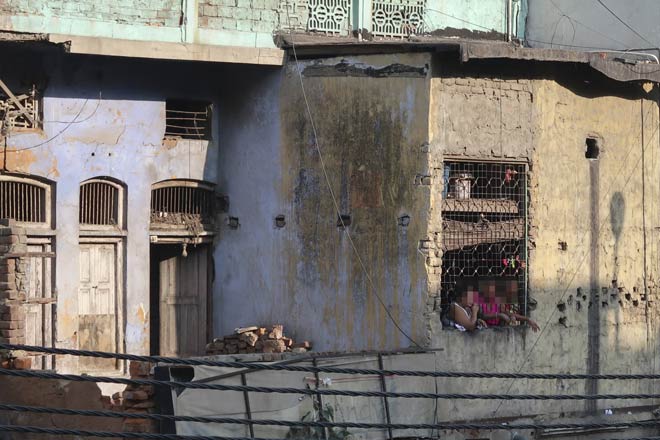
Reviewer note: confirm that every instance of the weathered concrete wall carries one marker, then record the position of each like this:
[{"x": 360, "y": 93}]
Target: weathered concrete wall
[
  {"x": 372, "y": 133},
  {"x": 592, "y": 307},
  {"x": 118, "y": 109}
]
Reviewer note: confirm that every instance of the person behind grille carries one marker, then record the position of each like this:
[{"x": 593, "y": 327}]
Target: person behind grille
[{"x": 464, "y": 311}]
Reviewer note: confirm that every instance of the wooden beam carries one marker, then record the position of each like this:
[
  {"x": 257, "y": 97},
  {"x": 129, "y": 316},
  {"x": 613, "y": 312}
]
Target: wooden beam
[{"x": 23, "y": 110}]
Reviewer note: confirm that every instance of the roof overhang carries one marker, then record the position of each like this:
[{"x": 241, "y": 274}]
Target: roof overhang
[{"x": 620, "y": 66}]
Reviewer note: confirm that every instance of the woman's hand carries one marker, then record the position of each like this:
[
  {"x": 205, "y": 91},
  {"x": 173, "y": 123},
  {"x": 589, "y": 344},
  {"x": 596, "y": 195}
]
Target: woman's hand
[
  {"x": 475, "y": 309},
  {"x": 533, "y": 325},
  {"x": 481, "y": 323},
  {"x": 504, "y": 317}
]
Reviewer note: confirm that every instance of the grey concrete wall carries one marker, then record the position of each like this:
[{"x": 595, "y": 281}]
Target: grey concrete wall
[
  {"x": 569, "y": 24},
  {"x": 372, "y": 132}
]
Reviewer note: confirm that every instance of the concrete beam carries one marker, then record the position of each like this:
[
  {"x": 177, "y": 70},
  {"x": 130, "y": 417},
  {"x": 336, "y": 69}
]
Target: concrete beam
[{"x": 170, "y": 51}]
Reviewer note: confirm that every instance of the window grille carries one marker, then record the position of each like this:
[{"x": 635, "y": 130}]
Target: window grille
[
  {"x": 22, "y": 201},
  {"x": 484, "y": 231},
  {"x": 187, "y": 119},
  {"x": 397, "y": 18},
  {"x": 329, "y": 16},
  {"x": 13, "y": 118},
  {"x": 99, "y": 203},
  {"x": 182, "y": 198}
]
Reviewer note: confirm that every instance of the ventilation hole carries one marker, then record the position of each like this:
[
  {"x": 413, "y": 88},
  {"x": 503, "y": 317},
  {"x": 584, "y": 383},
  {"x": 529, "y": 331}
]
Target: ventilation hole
[
  {"x": 344, "y": 220},
  {"x": 563, "y": 321},
  {"x": 620, "y": 303},
  {"x": 628, "y": 297},
  {"x": 563, "y": 246},
  {"x": 233, "y": 222},
  {"x": 635, "y": 303},
  {"x": 93, "y": 154},
  {"x": 604, "y": 304},
  {"x": 561, "y": 307},
  {"x": 404, "y": 220},
  {"x": 578, "y": 306},
  {"x": 280, "y": 221},
  {"x": 642, "y": 297},
  {"x": 593, "y": 150},
  {"x": 634, "y": 289}
]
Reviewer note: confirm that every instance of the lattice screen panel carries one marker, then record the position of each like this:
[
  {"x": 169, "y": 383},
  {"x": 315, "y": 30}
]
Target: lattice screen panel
[{"x": 397, "y": 18}]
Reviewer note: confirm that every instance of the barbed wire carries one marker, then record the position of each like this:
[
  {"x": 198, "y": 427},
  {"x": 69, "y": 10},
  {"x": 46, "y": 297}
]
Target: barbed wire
[
  {"x": 323, "y": 392},
  {"x": 321, "y": 369},
  {"x": 326, "y": 424}
]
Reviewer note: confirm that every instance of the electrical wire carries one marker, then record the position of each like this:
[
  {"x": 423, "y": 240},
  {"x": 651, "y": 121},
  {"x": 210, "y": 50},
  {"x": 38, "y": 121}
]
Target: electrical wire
[
  {"x": 329, "y": 424},
  {"x": 373, "y": 289},
  {"x": 623, "y": 22},
  {"x": 319, "y": 392},
  {"x": 573, "y": 19}
]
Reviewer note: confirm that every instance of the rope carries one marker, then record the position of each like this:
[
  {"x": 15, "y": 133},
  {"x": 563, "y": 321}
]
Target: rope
[
  {"x": 323, "y": 424},
  {"x": 137, "y": 435},
  {"x": 334, "y": 370},
  {"x": 313, "y": 392}
]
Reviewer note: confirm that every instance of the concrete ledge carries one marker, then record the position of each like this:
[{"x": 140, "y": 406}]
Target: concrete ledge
[{"x": 170, "y": 51}]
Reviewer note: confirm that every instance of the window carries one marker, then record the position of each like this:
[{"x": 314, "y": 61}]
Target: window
[
  {"x": 24, "y": 199},
  {"x": 12, "y": 116},
  {"x": 187, "y": 119},
  {"x": 484, "y": 231},
  {"x": 101, "y": 202},
  {"x": 175, "y": 201}
]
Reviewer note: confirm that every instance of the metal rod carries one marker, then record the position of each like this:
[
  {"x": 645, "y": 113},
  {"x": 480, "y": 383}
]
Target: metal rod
[
  {"x": 248, "y": 411},
  {"x": 386, "y": 404},
  {"x": 319, "y": 398}
]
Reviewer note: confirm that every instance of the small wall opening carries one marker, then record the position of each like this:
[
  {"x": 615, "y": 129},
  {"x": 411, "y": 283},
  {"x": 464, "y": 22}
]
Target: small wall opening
[
  {"x": 344, "y": 220},
  {"x": 188, "y": 119},
  {"x": 593, "y": 149}
]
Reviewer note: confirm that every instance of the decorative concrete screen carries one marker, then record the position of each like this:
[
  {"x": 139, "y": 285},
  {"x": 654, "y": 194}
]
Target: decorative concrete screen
[
  {"x": 397, "y": 18},
  {"x": 329, "y": 16}
]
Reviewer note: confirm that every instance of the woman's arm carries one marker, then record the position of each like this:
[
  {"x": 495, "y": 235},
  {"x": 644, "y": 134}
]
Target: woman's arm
[
  {"x": 529, "y": 321},
  {"x": 461, "y": 318}
]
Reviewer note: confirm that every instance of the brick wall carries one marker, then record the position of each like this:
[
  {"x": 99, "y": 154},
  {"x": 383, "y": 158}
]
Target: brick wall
[
  {"x": 139, "y": 399},
  {"x": 251, "y": 15},
  {"x": 145, "y": 12},
  {"x": 12, "y": 283}
]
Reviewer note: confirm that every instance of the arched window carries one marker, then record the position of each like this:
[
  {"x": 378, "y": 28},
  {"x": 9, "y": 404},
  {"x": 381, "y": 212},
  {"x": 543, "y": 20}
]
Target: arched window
[
  {"x": 24, "y": 199},
  {"x": 180, "y": 198},
  {"x": 101, "y": 203}
]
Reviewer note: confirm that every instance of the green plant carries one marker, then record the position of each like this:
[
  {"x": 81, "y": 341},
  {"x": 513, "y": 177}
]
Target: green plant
[{"x": 325, "y": 414}]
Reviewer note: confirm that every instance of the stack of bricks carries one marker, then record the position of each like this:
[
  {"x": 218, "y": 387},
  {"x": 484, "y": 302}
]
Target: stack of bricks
[
  {"x": 13, "y": 280},
  {"x": 256, "y": 340},
  {"x": 138, "y": 399}
]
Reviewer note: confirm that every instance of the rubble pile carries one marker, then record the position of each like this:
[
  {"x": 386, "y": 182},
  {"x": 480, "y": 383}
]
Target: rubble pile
[{"x": 256, "y": 340}]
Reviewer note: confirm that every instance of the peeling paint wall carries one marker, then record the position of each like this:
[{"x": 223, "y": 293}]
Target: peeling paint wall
[
  {"x": 372, "y": 133},
  {"x": 105, "y": 117},
  {"x": 591, "y": 306}
]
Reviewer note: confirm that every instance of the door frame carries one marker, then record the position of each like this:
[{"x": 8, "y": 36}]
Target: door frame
[{"x": 118, "y": 241}]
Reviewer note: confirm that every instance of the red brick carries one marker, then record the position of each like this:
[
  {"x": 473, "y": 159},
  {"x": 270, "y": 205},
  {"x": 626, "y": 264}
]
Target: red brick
[
  {"x": 139, "y": 369},
  {"x": 12, "y": 333},
  {"x": 8, "y": 239},
  {"x": 24, "y": 363},
  {"x": 12, "y": 325}
]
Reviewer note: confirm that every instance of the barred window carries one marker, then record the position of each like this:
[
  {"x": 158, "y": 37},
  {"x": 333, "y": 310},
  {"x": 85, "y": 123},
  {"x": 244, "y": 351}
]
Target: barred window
[
  {"x": 484, "y": 232},
  {"x": 187, "y": 119},
  {"x": 100, "y": 203},
  {"x": 23, "y": 199},
  {"x": 174, "y": 200}
]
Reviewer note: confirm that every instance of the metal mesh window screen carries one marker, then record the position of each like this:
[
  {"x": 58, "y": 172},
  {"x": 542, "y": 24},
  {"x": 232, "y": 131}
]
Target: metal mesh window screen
[
  {"x": 188, "y": 119},
  {"x": 329, "y": 16},
  {"x": 182, "y": 200},
  {"x": 484, "y": 231},
  {"x": 22, "y": 201},
  {"x": 397, "y": 18},
  {"x": 99, "y": 204}
]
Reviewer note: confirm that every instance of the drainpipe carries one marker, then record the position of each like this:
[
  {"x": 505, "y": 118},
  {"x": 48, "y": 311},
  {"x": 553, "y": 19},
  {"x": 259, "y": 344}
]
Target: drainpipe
[{"x": 509, "y": 20}]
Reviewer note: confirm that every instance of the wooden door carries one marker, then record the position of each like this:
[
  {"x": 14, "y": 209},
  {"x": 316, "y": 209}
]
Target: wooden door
[
  {"x": 97, "y": 305},
  {"x": 39, "y": 300},
  {"x": 183, "y": 291}
]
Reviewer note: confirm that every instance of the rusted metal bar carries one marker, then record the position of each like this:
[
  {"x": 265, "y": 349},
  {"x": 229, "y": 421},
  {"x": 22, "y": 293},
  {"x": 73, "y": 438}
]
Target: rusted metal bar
[
  {"x": 248, "y": 411},
  {"x": 386, "y": 404}
]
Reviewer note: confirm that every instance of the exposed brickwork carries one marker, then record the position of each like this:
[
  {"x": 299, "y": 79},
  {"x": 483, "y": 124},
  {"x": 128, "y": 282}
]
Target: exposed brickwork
[
  {"x": 139, "y": 399},
  {"x": 147, "y": 12},
  {"x": 248, "y": 15},
  {"x": 12, "y": 283}
]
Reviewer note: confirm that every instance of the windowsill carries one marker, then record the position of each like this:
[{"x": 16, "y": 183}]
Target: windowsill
[{"x": 102, "y": 233}]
